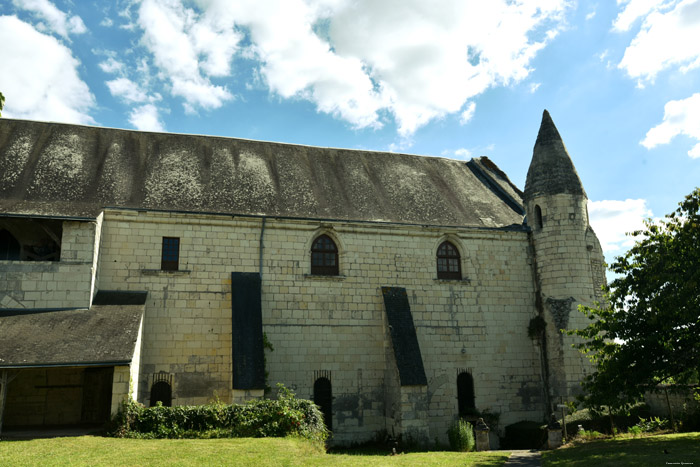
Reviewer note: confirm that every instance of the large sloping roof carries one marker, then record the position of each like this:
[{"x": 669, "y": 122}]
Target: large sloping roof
[
  {"x": 72, "y": 170},
  {"x": 104, "y": 334}
]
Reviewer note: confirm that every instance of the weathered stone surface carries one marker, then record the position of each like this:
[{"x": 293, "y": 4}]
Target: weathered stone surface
[{"x": 551, "y": 171}]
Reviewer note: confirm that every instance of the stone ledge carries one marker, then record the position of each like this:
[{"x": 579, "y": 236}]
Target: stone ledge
[
  {"x": 464, "y": 281},
  {"x": 324, "y": 278},
  {"x": 161, "y": 272}
]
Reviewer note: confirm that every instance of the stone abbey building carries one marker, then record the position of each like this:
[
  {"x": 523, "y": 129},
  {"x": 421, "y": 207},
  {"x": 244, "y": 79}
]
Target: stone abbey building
[{"x": 397, "y": 291}]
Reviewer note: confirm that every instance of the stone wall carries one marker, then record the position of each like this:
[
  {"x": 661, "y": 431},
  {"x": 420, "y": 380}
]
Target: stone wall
[
  {"x": 332, "y": 324},
  {"x": 680, "y": 398},
  {"x": 569, "y": 273},
  {"x": 54, "y": 284}
]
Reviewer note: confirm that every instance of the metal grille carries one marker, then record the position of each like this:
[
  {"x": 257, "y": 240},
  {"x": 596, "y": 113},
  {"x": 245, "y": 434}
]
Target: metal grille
[
  {"x": 323, "y": 396},
  {"x": 465, "y": 393},
  {"x": 171, "y": 254},
  {"x": 161, "y": 389}
]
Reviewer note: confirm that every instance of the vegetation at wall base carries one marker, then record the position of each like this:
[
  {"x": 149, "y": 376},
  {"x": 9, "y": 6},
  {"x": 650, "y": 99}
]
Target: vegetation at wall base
[
  {"x": 649, "y": 333},
  {"x": 284, "y": 416},
  {"x": 461, "y": 436}
]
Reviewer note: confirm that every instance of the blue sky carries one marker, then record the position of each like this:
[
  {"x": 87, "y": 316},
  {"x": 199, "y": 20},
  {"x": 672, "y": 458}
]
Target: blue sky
[{"x": 448, "y": 78}]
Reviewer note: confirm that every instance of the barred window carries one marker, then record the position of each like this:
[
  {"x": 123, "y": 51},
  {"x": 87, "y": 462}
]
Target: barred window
[
  {"x": 171, "y": 254},
  {"x": 324, "y": 257},
  {"x": 448, "y": 262},
  {"x": 465, "y": 394}
]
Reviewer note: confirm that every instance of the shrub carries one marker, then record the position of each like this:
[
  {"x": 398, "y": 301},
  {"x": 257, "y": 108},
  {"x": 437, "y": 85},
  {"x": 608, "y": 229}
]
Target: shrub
[
  {"x": 651, "y": 424},
  {"x": 260, "y": 418},
  {"x": 589, "y": 435},
  {"x": 600, "y": 420},
  {"x": 461, "y": 436}
]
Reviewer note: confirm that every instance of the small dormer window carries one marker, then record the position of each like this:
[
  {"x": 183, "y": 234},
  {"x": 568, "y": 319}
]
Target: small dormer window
[
  {"x": 324, "y": 257},
  {"x": 448, "y": 262}
]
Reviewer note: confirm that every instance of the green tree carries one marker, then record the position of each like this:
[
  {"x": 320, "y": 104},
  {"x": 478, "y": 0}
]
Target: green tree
[
  {"x": 649, "y": 331},
  {"x": 2, "y": 103}
]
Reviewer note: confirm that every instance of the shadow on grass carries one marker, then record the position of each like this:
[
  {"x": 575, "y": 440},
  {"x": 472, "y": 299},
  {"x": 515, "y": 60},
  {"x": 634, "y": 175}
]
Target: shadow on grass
[{"x": 675, "y": 449}]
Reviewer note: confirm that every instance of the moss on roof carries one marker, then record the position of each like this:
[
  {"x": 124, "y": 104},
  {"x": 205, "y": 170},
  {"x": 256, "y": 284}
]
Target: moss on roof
[{"x": 72, "y": 170}]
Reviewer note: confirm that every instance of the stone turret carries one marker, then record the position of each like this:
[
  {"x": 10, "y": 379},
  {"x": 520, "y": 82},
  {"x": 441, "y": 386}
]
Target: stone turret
[{"x": 568, "y": 258}]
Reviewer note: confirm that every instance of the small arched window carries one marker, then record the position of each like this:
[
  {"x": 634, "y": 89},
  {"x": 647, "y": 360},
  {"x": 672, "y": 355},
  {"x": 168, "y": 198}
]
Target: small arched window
[
  {"x": 324, "y": 257},
  {"x": 448, "y": 262},
  {"x": 323, "y": 398},
  {"x": 538, "y": 217},
  {"x": 9, "y": 246},
  {"x": 465, "y": 394},
  {"x": 161, "y": 392}
]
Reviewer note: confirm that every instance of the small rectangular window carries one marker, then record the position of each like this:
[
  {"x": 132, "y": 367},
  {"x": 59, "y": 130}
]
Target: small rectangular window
[{"x": 171, "y": 254}]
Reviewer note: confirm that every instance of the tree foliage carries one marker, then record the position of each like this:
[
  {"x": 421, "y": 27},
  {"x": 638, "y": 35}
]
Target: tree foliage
[
  {"x": 649, "y": 331},
  {"x": 2, "y": 103}
]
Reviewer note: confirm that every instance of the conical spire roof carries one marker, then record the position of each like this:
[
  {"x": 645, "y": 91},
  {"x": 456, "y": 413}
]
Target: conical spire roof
[{"x": 551, "y": 171}]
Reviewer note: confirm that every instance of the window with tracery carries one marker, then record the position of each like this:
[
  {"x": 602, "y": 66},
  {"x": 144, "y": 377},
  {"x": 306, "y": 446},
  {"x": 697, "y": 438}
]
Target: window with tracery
[{"x": 324, "y": 257}]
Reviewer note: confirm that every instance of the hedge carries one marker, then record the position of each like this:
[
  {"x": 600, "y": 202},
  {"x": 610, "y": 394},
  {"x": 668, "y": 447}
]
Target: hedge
[{"x": 259, "y": 418}]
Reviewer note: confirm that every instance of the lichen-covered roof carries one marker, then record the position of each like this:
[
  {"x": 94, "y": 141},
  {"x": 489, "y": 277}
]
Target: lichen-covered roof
[
  {"x": 100, "y": 335},
  {"x": 71, "y": 170},
  {"x": 551, "y": 171}
]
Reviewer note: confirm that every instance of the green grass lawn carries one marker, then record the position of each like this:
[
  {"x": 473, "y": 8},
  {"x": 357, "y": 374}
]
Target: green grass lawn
[
  {"x": 92, "y": 450},
  {"x": 683, "y": 449}
]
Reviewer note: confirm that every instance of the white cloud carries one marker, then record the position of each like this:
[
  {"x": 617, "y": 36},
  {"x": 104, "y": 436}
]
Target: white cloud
[
  {"x": 58, "y": 21},
  {"x": 612, "y": 219},
  {"x": 468, "y": 113},
  {"x": 681, "y": 117},
  {"x": 39, "y": 76},
  {"x": 534, "y": 87},
  {"x": 127, "y": 90},
  {"x": 463, "y": 153},
  {"x": 358, "y": 60},
  {"x": 669, "y": 37},
  {"x": 591, "y": 14},
  {"x": 634, "y": 9},
  {"x": 146, "y": 118},
  {"x": 112, "y": 66},
  {"x": 190, "y": 48}
]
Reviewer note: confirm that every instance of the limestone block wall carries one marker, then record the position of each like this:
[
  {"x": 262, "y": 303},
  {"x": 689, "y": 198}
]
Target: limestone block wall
[
  {"x": 332, "y": 325},
  {"x": 125, "y": 383},
  {"x": 120, "y": 387},
  {"x": 54, "y": 284},
  {"x": 571, "y": 272},
  {"x": 187, "y": 321}
]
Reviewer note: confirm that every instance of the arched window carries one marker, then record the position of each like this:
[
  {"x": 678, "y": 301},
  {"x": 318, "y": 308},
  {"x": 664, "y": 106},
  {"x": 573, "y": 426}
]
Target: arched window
[
  {"x": 324, "y": 257},
  {"x": 9, "y": 246},
  {"x": 465, "y": 394},
  {"x": 538, "y": 217},
  {"x": 161, "y": 392},
  {"x": 323, "y": 398},
  {"x": 448, "y": 262}
]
